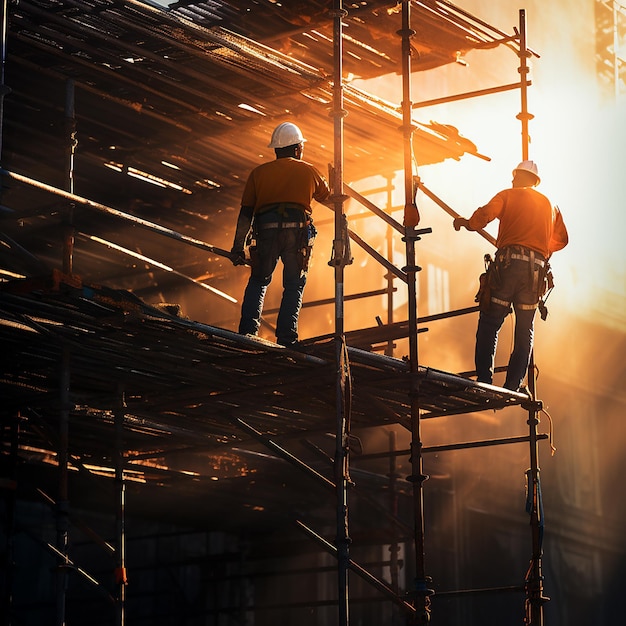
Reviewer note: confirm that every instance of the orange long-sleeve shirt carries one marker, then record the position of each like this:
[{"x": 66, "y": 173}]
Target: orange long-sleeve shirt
[
  {"x": 527, "y": 218},
  {"x": 284, "y": 180}
]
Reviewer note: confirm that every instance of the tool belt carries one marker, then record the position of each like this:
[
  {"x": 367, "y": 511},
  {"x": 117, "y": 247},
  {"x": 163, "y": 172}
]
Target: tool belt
[
  {"x": 281, "y": 215},
  {"x": 262, "y": 226},
  {"x": 520, "y": 253},
  {"x": 530, "y": 258}
]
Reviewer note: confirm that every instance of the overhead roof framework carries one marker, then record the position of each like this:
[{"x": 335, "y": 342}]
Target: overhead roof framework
[{"x": 157, "y": 90}]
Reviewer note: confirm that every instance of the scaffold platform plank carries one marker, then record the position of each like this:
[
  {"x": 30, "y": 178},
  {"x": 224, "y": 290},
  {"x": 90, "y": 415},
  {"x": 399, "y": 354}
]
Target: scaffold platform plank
[{"x": 187, "y": 379}]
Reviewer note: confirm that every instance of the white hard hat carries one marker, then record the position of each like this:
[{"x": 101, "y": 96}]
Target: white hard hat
[
  {"x": 528, "y": 166},
  {"x": 286, "y": 134}
]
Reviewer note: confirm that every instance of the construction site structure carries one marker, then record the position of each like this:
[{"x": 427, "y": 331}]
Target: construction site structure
[{"x": 99, "y": 386}]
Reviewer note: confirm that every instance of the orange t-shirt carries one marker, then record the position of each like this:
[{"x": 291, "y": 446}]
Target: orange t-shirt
[
  {"x": 284, "y": 180},
  {"x": 527, "y": 218}
]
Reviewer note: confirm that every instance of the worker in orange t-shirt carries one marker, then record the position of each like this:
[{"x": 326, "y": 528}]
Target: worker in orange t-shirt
[
  {"x": 276, "y": 214},
  {"x": 530, "y": 230}
]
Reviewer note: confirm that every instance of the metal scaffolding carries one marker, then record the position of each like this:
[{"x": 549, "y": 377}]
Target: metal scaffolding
[{"x": 398, "y": 386}]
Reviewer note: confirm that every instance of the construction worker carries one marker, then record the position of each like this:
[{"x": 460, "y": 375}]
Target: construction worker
[
  {"x": 275, "y": 222},
  {"x": 530, "y": 230}
]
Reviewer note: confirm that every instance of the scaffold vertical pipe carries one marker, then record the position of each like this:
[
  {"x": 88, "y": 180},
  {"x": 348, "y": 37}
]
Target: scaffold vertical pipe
[
  {"x": 63, "y": 454},
  {"x": 8, "y": 482},
  {"x": 341, "y": 461},
  {"x": 524, "y": 116},
  {"x": 10, "y": 497},
  {"x": 394, "y": 545},
  {"x": 421, "y": 591},
  {"x": 70, "y": 126},
  {"x": 62, "y": 509},
  {"x": 535, "y": 598},
  {"x": 390, "y": 276},
  {"x": 120, "y": 514},
  {"x": 3, "y": 54},
  {"x": 534, "y": 577}
]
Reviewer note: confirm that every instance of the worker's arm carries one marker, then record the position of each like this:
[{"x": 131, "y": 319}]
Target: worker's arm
[
  {"x": 482, "y": 215},
  {"x": 560, "y": 237}
]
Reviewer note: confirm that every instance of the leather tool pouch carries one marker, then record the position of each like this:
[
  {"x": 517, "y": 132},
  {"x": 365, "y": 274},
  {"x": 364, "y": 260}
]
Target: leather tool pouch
[{"x": 487, "y": 281}]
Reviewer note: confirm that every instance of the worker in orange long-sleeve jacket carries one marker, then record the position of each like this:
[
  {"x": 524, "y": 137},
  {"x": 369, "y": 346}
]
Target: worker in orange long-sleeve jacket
[
  {"x": 276, "y": 215},
  {"x": 530, "y": 230}
]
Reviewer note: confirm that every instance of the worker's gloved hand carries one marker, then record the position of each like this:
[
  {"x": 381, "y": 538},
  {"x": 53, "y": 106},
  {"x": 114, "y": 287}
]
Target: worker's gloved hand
[
  {"x": 459, "y": 222},
  {"x": 244, "y": 223},
  {"x": 238, "y": 256}
]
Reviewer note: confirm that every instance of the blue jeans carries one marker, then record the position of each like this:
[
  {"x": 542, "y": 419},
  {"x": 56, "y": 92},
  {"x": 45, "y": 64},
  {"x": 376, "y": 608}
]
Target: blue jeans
[
  {"x": 273, "y": 244},
  {"x": 515, "y": 287}
]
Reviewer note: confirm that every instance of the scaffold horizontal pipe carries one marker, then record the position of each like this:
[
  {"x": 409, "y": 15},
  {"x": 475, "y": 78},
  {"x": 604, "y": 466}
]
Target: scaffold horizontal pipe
[
  {"x": 466, "y": 95},
  {"x": 453, "y": 446}
]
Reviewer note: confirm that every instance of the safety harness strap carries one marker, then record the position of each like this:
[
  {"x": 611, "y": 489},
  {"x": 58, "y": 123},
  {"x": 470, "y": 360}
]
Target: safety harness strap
[
  {"x": 523, "y": 307},
  {"x": 501, "y": 302}
]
